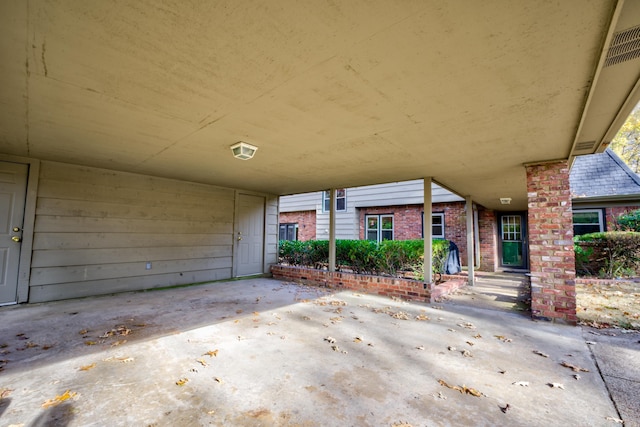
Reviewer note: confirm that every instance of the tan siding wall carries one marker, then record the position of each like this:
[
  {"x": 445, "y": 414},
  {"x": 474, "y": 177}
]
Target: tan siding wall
[{"x": 95, "y": 231}]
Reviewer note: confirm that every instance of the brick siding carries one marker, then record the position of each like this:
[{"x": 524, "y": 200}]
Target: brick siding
[
  {"x": 612, "y": 213},
  {"x": 407, "y": 222},
  {"x": 306, "y": 221},
  {"x": 551, "y": 255},
  {"x": 488, "y": 230}
]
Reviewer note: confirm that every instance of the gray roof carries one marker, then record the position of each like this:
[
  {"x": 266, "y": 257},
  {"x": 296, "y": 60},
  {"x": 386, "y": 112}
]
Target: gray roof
[{"x": 602, "y": 175}]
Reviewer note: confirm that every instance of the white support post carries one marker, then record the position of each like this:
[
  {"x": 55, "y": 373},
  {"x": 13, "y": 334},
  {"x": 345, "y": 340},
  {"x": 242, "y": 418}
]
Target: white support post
[
  {"x": 332, "y": 230},
  {"x": 470, "y": 243},
  {"x": 428, "y": 250}
]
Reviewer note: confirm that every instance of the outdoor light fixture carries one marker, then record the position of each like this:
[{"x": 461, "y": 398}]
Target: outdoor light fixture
[
  {"x": 505, "y": 200},
  {"x": 243, "y": 151}
]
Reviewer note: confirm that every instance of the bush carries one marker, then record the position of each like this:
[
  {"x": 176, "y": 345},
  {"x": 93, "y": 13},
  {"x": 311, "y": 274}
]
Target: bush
[
  {"x": 609, "y": 255},
  {"x": 366, "y": 257},
  {"x": 629, "y": 221}
]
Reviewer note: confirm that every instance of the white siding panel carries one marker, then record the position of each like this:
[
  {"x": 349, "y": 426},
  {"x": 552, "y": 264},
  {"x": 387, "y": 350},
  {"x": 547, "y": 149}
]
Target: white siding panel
[
  {"x": 96, "y": 230},
  {"x": 301, "y": 202}
]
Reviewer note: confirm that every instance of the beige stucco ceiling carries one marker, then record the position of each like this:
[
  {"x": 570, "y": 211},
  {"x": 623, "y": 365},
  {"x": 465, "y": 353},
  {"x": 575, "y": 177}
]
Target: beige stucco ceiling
[{"x": 334, "y": 94}]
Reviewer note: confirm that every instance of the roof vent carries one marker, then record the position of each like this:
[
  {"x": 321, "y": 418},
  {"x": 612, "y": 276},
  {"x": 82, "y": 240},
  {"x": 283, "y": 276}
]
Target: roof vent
[
  {"x": 585, "y": 146},
  {"x": 625, "y": 46}
]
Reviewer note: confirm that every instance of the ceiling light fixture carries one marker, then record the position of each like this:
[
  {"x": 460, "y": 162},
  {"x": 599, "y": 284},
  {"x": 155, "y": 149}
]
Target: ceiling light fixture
[
  {"x": 505, "y": 200},
  {"x": 243, "y": 151}
]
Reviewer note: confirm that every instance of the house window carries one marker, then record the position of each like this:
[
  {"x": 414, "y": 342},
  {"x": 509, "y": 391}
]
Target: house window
[
  {"x": 379, "y": 227},
  {"x": 341, "y": 200},
  {"x": 437, "y": 226},
  {"x": 289, "y": 231},
  {"x": 587, "y": 221}
]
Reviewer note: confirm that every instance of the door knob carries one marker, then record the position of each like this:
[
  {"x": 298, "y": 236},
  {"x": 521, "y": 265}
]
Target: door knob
[
  {"x": 16, "y": 229},
  {"x": 16, "y": 239}
]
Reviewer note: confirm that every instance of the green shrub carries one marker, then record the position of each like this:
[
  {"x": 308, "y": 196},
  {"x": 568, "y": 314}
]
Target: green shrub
[
  {"x": 629, "y": 221},
  {"x": 609, "y": 255},
  {"x": 390, "y": 257}
]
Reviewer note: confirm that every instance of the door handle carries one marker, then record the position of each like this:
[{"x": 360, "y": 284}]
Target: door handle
[
  {"x": 239, "y": 235},
  {"x": 16, "y": 239}
]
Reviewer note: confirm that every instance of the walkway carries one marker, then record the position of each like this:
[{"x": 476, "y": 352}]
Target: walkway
[{"x": 266, "y": 353}]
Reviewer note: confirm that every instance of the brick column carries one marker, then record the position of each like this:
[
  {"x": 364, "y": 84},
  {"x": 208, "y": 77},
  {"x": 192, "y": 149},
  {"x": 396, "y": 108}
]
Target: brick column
[
  {"x": 551, "y": 256},
  {"x": 488, "y": 230}
]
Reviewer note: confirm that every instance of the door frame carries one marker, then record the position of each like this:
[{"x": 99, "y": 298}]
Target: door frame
[
  {"x": 26, "y": 247},
  {"x": 236, "y": 226},
  {"x": 525, "y": 240}
]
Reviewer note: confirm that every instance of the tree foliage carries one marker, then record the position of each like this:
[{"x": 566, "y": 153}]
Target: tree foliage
[{"x": 626, "y": 144}]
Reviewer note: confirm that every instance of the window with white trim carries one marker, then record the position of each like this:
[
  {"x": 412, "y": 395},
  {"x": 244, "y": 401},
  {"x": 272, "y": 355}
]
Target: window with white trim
[
  {"x": 379, "y": 227},
  {"x": 437, "y": 225},
  {"x": 341, "y": 200},
  {"x": 587, "y": 221}
]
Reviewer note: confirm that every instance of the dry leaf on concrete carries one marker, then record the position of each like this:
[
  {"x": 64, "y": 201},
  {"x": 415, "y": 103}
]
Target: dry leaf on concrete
[
  {"x": 211, "y": 353},
  {"x": 539, "y": 353},
  {"x": 556, "y": 385},
  {"x": 574, "y": 367},
  {"x": 182, "y": 381},
  {"x": 202, "y": 362},
  {"x": 59, "y": 399},
  {"x": 87, "y": 367},
  {"x": 521, "y": 383}
]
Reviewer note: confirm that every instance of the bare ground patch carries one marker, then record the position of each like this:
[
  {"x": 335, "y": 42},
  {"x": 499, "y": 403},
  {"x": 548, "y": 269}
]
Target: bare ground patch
[{"x": 605, "y": 304}]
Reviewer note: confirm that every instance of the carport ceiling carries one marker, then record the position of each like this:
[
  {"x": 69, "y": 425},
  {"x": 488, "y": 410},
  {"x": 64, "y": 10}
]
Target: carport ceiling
[{"x": 334, "y": 94}]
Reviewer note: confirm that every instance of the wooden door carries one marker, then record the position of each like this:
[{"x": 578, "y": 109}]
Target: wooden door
[{"x": 13, "y": 186}]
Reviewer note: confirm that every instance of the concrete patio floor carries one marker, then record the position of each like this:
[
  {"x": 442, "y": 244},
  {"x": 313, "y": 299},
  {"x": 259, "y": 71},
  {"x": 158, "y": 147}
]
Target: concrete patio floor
[{"x": 261, "y": 352}]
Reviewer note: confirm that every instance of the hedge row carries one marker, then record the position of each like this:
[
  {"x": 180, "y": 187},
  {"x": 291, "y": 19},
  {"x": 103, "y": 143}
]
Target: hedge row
[
  {"x": 608, "y": 255},
  {"x": 389, "y": 257}
]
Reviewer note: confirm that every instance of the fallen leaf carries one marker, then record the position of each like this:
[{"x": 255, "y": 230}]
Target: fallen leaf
[
  {"x": 211, "y": 353},
  {"x": 420, "y": 347},
  {"x": 522, "y": 383},
  {"x": 471, "y": 391},
  {"x": 453, "y": 387},
  {"x": 117, "y": 343},
  {"x": 182, "y": 381},
  {"x": 470, "y": 343},
  {"x": 451, "y": 348},
  {"x": 451, "y": 330},
  {"x": 357, "y": 339},
  {"x": 5, "y": 392},
  {"x": 202, "y": 362},
  {"x": 467, "y": 353},
  {"x": 90, "y": 343},
  {"x": 576, "y": 376},
  {"x": 422, "y": 317},
  {"x": 467, "y": 325},
  {"x": 539, "y": 353},
  {"x": 615, "y": 420},
  {"x": 87, "y": 367},
  {"x": 255, "y": 313},
  {"x": 218, "y": 380},
  {"x": 477, "y": 336},
  {"x": 30, "y": 345},
  {"x": 330, "y": 340},
  {"x": 556, "y": 385},
  {"x": 505, "y": 408},
  {"x": 59, "y": 399},
  {"x": 574, "y": 367}
]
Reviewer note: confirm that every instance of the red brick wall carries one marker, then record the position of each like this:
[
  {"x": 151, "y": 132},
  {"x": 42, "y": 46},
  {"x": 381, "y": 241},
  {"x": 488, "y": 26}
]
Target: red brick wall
[
  {"x": 613, "y": 213},
  {"x": 407, "y": 222},
  {"x": 386, "y": 286},
  {"x": 552, "y": 260},
  {"x": 488, "y": 230},
  {"x": 306, "y": 221}
]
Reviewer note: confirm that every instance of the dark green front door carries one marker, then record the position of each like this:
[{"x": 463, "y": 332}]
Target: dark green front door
[{"x": 512, "y": 239}]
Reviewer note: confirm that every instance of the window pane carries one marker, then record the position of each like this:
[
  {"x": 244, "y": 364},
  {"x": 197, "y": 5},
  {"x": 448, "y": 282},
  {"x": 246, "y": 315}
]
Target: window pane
[
  {"x": 586, "y": 218},
  {"x": 579, "y": 229},
  {"x": 340, "y": 193},
  {"x": 372, "y": 235},
  {"x": 437, "y": 231},
  {"x": 386, "y": 235},
  {"x": 341, "y": 204},
  {"x": 372, "y": 222},
  {"x": 387, "y": 223},
  {"x": 283, "y": 232}
]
